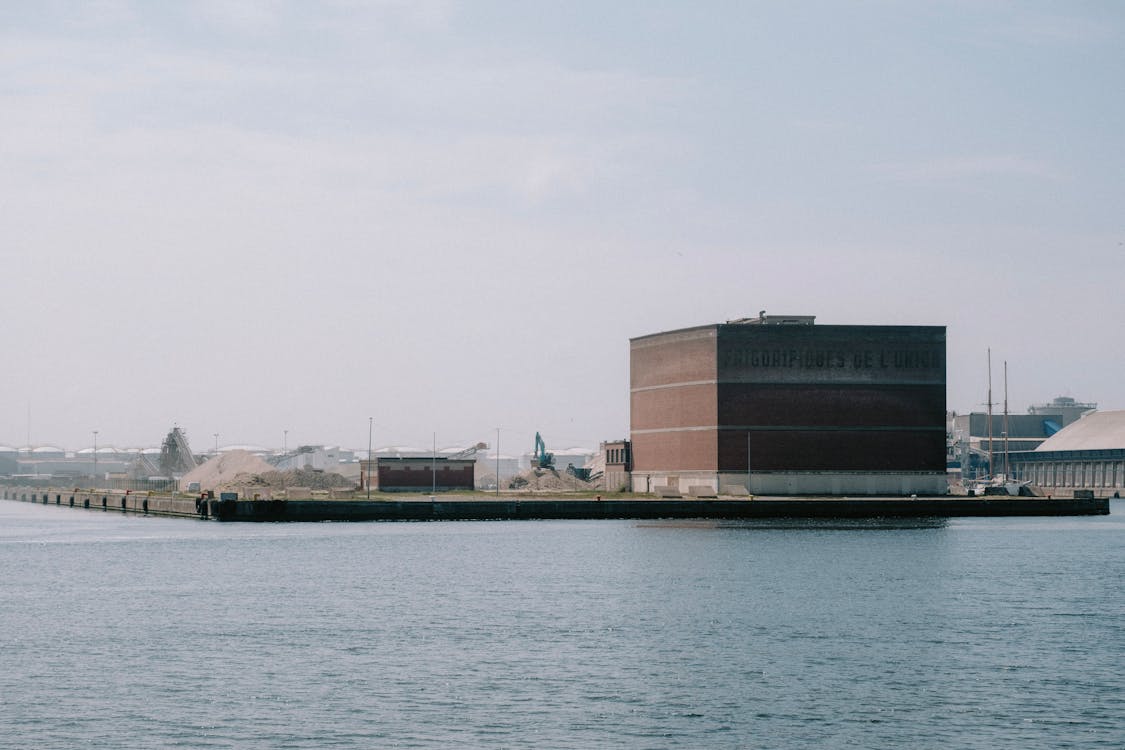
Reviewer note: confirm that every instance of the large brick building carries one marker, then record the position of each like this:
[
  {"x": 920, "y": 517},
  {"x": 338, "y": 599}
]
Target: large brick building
[{"x": 778, "y": 405}]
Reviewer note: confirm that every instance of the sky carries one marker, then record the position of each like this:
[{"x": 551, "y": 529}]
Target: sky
[{"x": 289, "y": 222}]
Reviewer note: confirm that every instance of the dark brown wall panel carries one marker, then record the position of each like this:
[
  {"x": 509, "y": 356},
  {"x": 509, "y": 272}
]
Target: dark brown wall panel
[
  {"x": 832, "y": 354},
  {"x": 833, "y": 450},
  {"x": 748, "y": 404},
  {"x": 422, "y": 477}
]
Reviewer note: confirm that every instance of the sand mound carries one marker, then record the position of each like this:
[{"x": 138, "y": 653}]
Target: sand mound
[
  {"x": 225, "y": 470},
  {"x": 549, "y": 479},
  {"x": 310, "y": 478}
]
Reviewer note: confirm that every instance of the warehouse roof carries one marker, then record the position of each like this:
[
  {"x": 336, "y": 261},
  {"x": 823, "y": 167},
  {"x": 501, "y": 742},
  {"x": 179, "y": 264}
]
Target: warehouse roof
[{"x": 1102, "y": 430}]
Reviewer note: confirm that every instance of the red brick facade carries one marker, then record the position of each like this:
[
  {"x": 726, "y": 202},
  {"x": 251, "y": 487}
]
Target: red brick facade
[
  {"x": 421, "y": 474},
  {"x": 789, "y": 398}
]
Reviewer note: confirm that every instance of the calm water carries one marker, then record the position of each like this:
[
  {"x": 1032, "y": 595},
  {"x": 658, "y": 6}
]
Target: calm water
[{"x": 126, "y": 632}]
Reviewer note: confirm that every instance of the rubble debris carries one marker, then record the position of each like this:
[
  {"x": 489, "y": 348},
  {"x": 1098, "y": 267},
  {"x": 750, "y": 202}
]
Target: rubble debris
[{"x": 550, "y": 480}]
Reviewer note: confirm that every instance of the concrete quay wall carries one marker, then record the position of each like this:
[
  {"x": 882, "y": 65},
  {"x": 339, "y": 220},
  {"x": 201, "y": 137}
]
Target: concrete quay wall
[
  {"x": 142, "y": 503},
  {"x": 468, "y": 509},
  {"x": 574, "y": 509}
]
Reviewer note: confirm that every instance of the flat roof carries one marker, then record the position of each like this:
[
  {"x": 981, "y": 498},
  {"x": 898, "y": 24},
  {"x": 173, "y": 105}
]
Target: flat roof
[{"x": 830, "y": 328}]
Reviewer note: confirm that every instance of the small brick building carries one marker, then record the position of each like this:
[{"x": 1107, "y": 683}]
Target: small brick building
[{"x": 419, "y": 473}]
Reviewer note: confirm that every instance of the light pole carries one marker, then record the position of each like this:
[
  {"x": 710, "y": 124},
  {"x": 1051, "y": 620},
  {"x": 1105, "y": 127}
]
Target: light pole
[
  {"x": 749, "y": 456},
  {"x": 95, "y": 457},
  {"x": 497, "y": 462},
  {"x": 216, "y": 442},
  {"x": 285, "y": 442},
  {"x": 370, "y": 426}
]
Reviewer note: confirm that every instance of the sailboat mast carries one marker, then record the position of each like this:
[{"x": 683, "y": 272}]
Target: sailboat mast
[
  {"x": 990, "y": 411},
  {"x": 1006, "y": 477}
]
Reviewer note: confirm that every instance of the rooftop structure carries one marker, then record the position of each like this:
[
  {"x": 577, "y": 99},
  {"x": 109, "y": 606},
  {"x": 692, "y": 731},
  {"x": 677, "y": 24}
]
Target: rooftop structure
[{"x": 1066, "y": 407}]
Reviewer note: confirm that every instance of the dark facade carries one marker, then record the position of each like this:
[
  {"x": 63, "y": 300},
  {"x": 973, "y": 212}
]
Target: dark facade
[
  {"x": 421, "y": 474},
  {"x": 758, "y": 399}
]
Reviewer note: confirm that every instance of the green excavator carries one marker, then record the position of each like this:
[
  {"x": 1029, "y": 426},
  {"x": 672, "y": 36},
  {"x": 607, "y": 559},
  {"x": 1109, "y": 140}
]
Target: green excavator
[{"x": 541, "y": 459}]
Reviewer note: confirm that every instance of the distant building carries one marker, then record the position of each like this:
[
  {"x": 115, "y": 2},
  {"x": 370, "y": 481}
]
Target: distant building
[
  {"x": 1067, "y": 408},
  {"x": 488, "y": 463},
  {"x": 971, "y": 445},
  {"x": 617, "y": 460},
  {"x": 314, "y": 457},
  {"x": 418, "y": 473},
  {"x": 1087, "y": 455},
  {"x": 577, "y": 457},
  {"x": 8, "y": 460},
  {"x": 779, "y": 405}
]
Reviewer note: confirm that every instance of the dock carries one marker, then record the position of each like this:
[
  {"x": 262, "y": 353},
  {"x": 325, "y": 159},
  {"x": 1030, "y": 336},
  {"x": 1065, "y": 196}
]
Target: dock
[{"x": 461, "y": 508}]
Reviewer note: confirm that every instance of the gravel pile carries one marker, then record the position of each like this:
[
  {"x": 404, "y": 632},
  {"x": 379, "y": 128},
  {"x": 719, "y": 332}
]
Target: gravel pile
[
  {"x": 235, "y": 470},
  {"x": 225, "y": 470},
  {"x": 549, "y": 479},
  {"x": 314, "y": 480}
]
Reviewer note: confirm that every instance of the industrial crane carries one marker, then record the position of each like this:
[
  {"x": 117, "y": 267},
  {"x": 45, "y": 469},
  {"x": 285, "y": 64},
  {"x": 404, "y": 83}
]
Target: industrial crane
[{"x": 468, "y": 452}]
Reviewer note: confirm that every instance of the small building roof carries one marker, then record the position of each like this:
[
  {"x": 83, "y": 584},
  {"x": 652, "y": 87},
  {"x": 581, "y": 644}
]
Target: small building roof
[
  {"x": 247, "y": 448},
  {"x": 422, "y": 457},
  {"x": 1102, "y": 430}
]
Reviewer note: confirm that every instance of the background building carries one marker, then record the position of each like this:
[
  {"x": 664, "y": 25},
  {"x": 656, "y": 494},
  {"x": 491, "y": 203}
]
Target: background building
[
  {"x": 971, "y": 445},
  {"x": 419, "y": 473},
  {"x": 779, "y": 405},
  {"x": 616, "y": 465},
  {"x": 1067, "y": 408},
  {"x": 1087, "y": 455}
]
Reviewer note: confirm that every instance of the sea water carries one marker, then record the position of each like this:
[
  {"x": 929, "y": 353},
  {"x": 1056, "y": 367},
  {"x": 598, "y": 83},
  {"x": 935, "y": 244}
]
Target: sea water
[{"x": 122, "y": 631}]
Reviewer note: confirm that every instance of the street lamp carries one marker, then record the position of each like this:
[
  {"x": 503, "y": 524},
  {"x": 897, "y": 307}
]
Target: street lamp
[
  {"x": 370, "y": 425},
  {"x": 95, "y": 456},
  {"x": 497, "y": 462},
  {"x": 216, "y": 442}
]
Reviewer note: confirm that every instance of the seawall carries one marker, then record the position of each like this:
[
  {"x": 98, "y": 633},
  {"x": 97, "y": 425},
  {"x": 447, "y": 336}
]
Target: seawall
[
  {"x": 142, "y": 503},
  {"x": 470, "y": 509}
]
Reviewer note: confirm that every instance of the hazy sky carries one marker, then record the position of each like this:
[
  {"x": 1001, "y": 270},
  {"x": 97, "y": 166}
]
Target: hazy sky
[{"x": 251, "y": 217}]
